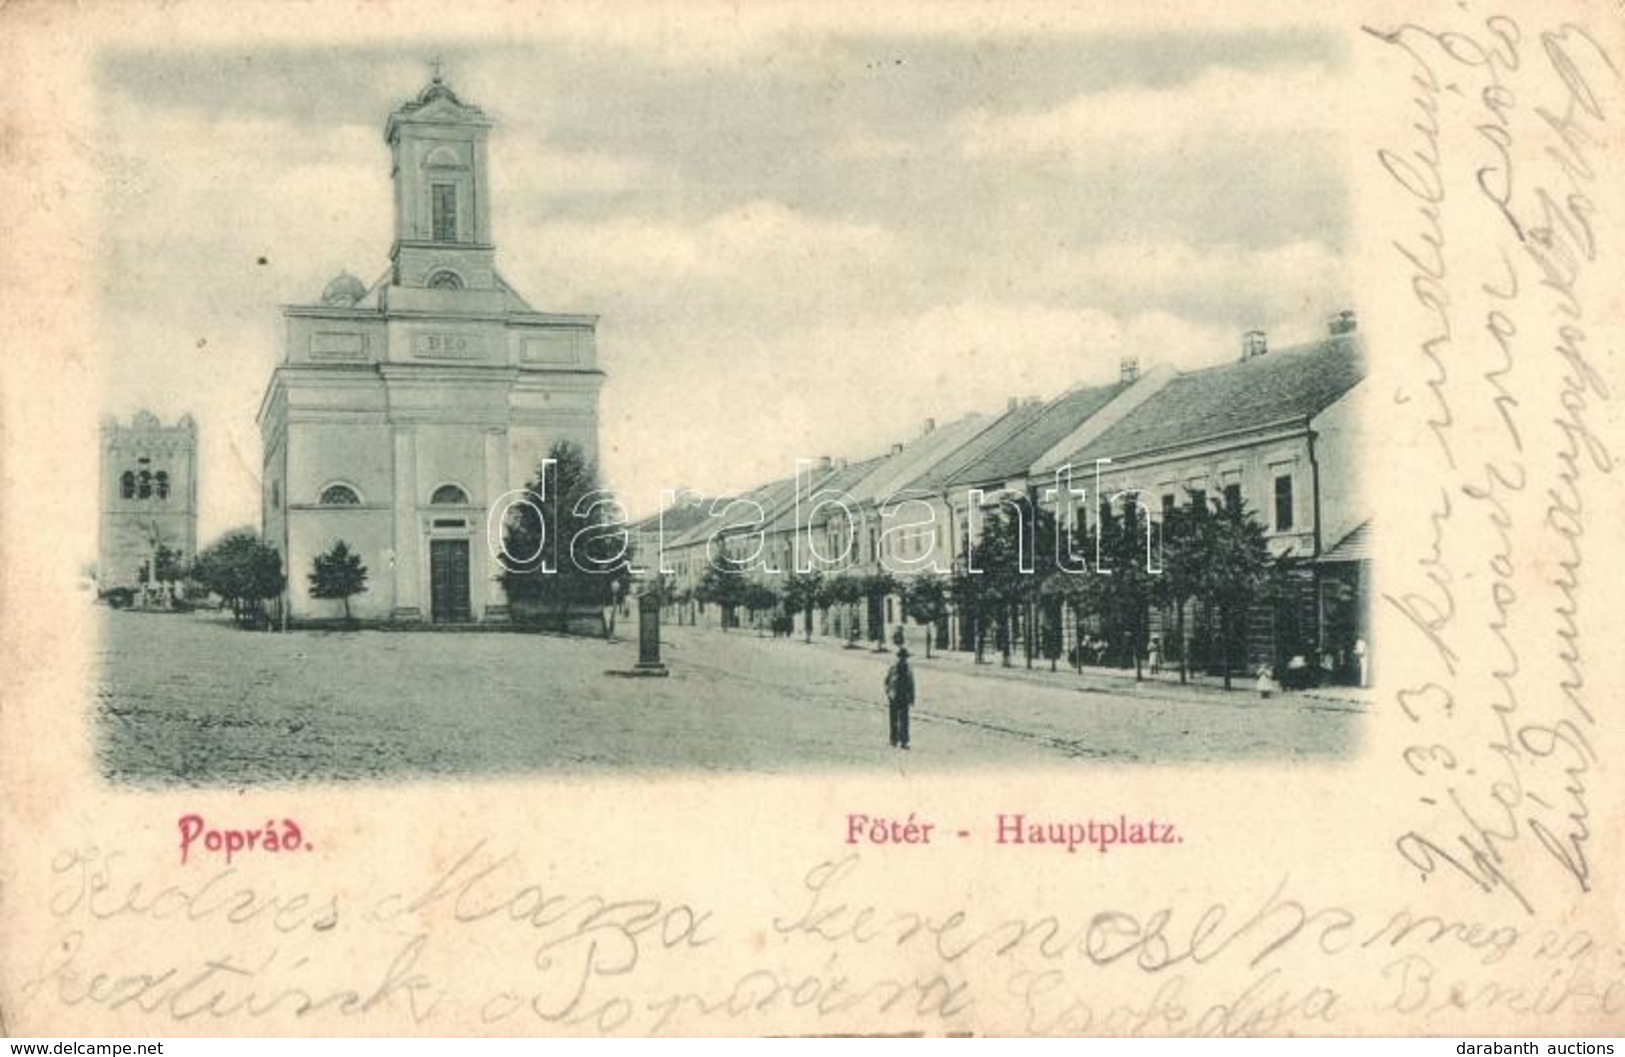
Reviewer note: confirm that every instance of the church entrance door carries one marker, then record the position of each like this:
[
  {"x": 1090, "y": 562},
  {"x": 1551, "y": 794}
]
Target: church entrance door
[{"x": 448, "y": 582}]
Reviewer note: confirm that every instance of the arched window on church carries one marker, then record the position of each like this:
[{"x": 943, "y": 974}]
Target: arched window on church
[
  {"x": 161, "y": 482},
  {"x": 144, "y": 487},
  {"x": 449, "y": 495},
  {"x": 444, "y": 280},
  {"x": 126, "y": 486},
  {"x": 340, "y": 495}
]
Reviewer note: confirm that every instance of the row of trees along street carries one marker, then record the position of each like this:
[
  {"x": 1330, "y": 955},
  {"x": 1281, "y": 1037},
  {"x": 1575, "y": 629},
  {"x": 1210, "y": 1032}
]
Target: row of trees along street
[
  {"x": 1121, "y": 569},
  {"x": 1198, "y": 555},
  {"x": 1207, "y": 559}
]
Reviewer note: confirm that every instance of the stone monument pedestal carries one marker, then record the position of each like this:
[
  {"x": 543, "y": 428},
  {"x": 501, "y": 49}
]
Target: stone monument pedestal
[{"x": 649, "y": 662}]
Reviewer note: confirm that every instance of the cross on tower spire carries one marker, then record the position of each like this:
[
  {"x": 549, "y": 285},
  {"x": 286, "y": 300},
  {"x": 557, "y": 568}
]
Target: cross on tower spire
[{"x": 435, "y": 65}]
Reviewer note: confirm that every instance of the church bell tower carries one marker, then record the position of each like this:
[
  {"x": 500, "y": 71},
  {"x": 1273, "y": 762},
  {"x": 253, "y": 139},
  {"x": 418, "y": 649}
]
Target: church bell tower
[
  {"x": 442, "y": 198},
  {"x": 405, "y": 410}
]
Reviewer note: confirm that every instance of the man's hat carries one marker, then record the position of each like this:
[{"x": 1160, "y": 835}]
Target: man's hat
[{"x": 902, "y": 651}]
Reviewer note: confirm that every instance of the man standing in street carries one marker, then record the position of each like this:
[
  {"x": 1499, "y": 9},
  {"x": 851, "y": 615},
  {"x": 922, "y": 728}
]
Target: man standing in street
[{"x": 900, "y": 697}]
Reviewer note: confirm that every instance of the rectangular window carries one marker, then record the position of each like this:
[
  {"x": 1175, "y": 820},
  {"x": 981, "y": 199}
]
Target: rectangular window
[
  {"x": 444, "y": 197},
  {"x": 1199, "y": 498},
  {"x": 1167, "y": 504},
  {"x": 1232, "y": 497},
  {"x": 1283, "y": 502}
]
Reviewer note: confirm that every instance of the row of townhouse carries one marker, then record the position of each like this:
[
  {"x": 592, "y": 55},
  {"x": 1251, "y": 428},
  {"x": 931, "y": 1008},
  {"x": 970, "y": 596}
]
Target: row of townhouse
[{"x": 1277, "y": 431}]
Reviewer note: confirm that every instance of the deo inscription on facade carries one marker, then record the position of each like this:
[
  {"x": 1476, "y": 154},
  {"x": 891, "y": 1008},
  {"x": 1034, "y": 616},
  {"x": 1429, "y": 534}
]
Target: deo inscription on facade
[{"x": 447, "y": 346}]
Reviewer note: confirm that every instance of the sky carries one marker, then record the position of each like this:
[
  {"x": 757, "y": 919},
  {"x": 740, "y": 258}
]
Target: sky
[{"x": 798, "y": 245}]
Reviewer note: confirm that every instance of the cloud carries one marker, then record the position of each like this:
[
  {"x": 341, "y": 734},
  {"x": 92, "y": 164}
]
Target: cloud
[
  {"x": 755, "y": 238},
  {"x": 853, "y": 386},
  {"x": 184, "y": 189},
  {"x": 1252, "y": 286},
  {"x": 548, "y": 172},
  {"x": 861, "y": 144},
  {"x": 1220, "y": 103},
  {"x": 785, "y": 264}
]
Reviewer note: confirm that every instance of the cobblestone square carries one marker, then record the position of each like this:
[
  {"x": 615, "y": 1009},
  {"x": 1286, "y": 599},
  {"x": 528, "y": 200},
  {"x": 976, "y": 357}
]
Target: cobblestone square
[{"x": 189, "y": 699}]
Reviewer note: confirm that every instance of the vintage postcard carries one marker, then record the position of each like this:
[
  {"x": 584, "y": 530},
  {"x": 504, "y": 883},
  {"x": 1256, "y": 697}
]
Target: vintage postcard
[{"x": 813, "y": 519}]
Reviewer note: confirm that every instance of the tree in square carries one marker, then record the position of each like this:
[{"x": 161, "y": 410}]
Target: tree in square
[
  {"x": 925, "y": 601},
  {"x": 723, "y": 584},
  {"x": 563, "y": 554},
  {"x": 243, "y": 570},
  {"x": 801, "y": 593}
]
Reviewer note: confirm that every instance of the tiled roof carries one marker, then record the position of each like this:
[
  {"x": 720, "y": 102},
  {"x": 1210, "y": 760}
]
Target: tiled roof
[
  {"x": 1354, "y": 547},
  {"x": 678, "y": 518},
  {"x": 769, "y": 496},
  {"x": 1054, "y": 421},
  {"x": 1290, "y": 383},
  {"x": 896, "y": 475},
  {"x": 1001, "y": 430},
  {"x": 842, "y": 479}
]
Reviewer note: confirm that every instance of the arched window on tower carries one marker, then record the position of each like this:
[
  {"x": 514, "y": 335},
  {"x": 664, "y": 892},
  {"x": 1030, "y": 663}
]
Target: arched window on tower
[
  {"x": 144, "y": 487},
  {"x": 126, "y": 487},
  {"x": 442, "y": 157},
  {"x": 445, "y": 280},
  {"x": 443, "y": 206},
  {"x": 340, "y": 495},
  {"x": 449, "y": 495},
  {"x": 161, "y": 481}
]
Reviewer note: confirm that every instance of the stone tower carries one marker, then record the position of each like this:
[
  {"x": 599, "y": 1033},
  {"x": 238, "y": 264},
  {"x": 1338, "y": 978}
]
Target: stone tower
[{"x": 148, "y": 499}]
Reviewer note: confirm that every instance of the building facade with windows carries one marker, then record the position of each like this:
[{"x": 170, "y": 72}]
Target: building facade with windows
[
  {"x": 404, "y": 411},
  {"x": 1277, "y": 433},
  {"x": 148, "y": 499}
]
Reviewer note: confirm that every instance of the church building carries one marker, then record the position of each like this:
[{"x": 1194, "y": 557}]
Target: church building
[{"x": 403, "y": 411}]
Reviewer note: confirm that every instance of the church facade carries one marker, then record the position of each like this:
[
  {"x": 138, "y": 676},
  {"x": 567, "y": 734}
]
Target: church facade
[
  {"x": 148, "y": 500},
  {"x": 402, "y": 412}
]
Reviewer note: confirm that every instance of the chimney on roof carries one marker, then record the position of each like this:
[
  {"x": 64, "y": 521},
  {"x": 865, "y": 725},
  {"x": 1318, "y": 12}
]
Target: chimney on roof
[
  {"x": 930, "y": 425},
  {"x": 1013, "y": 404},
  {"x": 897, "y": 449},
  {"x": 1033, "y": 401},
  {"x": 1128, "y": 369},
  {"x": 825, "y": 462},
  {"x": 1344, "y": 322},
  {"x": 1253, "y": 345}
]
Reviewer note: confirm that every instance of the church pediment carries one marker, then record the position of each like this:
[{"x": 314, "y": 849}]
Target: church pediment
[
  {"x": 436, "y": 104},
  {"x": 448, "y": 109}
]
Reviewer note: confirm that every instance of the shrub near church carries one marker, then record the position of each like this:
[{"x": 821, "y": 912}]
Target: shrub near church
[{"x": 338, "y": 574}]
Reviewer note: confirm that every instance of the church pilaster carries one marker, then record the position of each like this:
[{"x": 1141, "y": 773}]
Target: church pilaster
[
  {"x": 496, "y": 483},
  {"x": 408, "y": 559}
]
